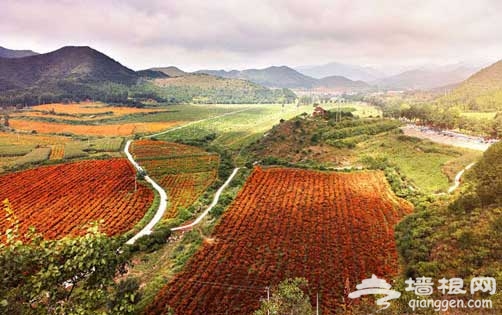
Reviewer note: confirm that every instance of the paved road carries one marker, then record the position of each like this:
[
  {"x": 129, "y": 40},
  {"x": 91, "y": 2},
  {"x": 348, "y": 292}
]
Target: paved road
[
  {"x": 456, "y": 183},
  {"x": 147, "y": 230},
  {"x": 446, "y": 137},
  {"x": 214, "y": 203}
]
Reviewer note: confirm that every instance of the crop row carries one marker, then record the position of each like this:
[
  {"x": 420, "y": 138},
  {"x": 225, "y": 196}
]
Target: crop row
[
  {"x": 334, "y": 229},
  {"x": 185, "y": 172},
  {"x": 157, "y": 149},
  {"x": 184, "y": 189},
  {"x": 62, "y": 199}
]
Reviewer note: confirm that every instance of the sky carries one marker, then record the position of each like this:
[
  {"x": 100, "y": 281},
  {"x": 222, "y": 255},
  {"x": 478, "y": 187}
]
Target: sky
[{"x": 234, "y": 34}]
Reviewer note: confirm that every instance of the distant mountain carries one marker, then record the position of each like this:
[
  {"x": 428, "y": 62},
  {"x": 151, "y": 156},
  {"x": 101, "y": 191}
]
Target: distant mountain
[
  {"x": 342, "y": 83},
  {"x": 481, "y": 91},
  {"x": 67, "y": 74},
  {"x": 65, "y": 65},
  {"x": 151, "y": 74},
  {"x": 171, "y": 71},
  {"x": 274, "y": 77},
  {"x": 352, "y": 72},
  {"x": 427, "y": 77},
  {"x": 9, "y": 53}
]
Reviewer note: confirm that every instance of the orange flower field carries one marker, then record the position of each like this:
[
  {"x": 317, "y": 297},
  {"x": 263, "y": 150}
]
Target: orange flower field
[
  {"x": 61, "y": 200},
  {"x": 89, "y": 108},
  {"x": 126, "y": 129},
  {"x": 185, "y": 172},
  {"x": 334, "y": 229}
]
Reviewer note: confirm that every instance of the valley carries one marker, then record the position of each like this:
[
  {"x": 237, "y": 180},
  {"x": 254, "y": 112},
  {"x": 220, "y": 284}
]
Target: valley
[{"x": 260, "y": 188}]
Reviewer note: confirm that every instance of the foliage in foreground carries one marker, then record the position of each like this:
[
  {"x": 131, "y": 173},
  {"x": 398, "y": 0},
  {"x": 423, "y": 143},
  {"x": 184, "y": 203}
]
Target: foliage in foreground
[
  {"x": 288, "y": 298},
  {"x": 65, "y": 276},
  {"x": 459, "y": 238}
]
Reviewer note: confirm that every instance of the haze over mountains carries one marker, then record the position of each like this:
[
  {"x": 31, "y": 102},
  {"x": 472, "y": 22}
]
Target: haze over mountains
[
  {"x": 425, "y": 78},
  {"x": 481, "y": 91},
  {"x": 352, "y": 78},
  {"x": 352, "y": 72}
]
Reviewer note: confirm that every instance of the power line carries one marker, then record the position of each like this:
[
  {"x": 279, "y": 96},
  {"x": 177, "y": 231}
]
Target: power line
[{"x": 235, "y": 286}]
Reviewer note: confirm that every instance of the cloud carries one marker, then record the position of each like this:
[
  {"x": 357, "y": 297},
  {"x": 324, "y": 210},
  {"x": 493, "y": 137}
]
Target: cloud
[{"x": 253, "y": 33}]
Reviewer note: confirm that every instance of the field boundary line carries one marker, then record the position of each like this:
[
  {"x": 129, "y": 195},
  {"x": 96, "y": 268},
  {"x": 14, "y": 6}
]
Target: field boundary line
[{"x": 211, "y": 206}]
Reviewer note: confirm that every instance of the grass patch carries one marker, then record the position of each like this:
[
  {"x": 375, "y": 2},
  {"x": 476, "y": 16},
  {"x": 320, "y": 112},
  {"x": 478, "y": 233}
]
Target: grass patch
[{"x": 430, "y": 166}]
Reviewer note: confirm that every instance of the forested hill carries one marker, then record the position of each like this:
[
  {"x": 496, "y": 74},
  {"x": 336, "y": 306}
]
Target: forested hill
[
  {"x": 482, "y": 91},
  {"x": 460, "y": 238},
  {"x": 71, "y": 64},
  {"x": 72, "y": 73}
]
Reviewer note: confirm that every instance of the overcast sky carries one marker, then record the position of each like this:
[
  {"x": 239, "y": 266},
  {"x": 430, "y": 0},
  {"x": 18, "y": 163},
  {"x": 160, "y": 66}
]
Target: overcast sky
[{"x": 195, "y": 34}]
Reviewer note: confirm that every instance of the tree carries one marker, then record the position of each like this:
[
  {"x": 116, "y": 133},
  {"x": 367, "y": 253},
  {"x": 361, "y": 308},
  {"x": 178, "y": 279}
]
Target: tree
[
  {"x": 72, "y": 275},
  {"x": 288, "y": 298}
]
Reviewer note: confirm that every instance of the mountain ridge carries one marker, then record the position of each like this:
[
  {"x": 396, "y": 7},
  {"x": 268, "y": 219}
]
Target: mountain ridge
[
  {"x": 352, "y": 72},
  {"x": 286, "y": 77},
  {"x": 12, "y": 53},
  {"x": 69, "y": 63},
  {"x": 426, "y": 78}
]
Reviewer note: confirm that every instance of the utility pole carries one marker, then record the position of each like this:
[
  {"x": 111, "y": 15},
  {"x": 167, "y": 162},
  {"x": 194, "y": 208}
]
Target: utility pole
[
  {"x": 317, "y": 304},
  {"x": 268, "y": 299}
]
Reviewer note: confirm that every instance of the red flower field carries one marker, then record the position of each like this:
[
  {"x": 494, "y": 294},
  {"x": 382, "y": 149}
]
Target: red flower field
[
  {"x": 185, "y": 172},
  {"x": 62, "y": 199},
  {"x": 334, "y": 229}
]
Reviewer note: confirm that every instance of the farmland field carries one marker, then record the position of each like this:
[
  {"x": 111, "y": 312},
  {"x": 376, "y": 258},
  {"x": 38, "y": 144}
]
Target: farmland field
[
  {"x": 334, "y": 229},
  {"x": 87, "y": 111},
  {"x": 125, "y": 129},
  {"x": 61, "y": 200},
  {"x": 185, "y": 172},
  {"x": 241, "y": 128}
]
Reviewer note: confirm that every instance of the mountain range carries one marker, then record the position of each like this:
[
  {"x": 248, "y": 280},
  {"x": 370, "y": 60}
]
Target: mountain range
[
  {"x": 426, "y": 78},
  {"x": 85, "y": 72},
  {"x": 286, "y": 77},
  {"x": 352, "y": 72},
  {"x": 80, "y": 73}
]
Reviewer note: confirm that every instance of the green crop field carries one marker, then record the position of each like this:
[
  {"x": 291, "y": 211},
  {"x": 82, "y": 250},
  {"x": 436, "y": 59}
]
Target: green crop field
[
  {"x": 479, "y": 115},
  {"x": 430, "y": 166},
  {"x": 249, "y": 123}
]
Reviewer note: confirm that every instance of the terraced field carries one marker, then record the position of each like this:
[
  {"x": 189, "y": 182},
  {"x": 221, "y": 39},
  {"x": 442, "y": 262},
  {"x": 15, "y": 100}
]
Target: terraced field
[
  {"x": 185, "y": 172},
  {"x": 335, "y": 229},
  {"x": 63, "y": 199}
]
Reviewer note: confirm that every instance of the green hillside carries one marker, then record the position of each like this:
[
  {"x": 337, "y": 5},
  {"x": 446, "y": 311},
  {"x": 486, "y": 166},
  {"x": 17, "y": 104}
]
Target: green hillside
[
  {"x": 459, "y": 238},
  {"x": 207, "y": 89},
  {"x": 481, "y": 92},
  {"x": 70, "y": 73}
]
